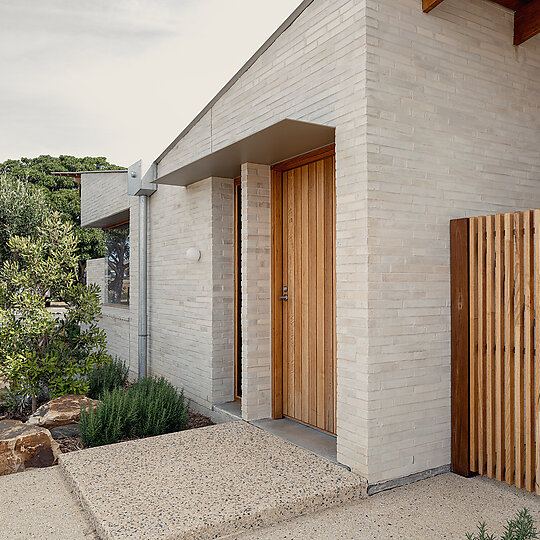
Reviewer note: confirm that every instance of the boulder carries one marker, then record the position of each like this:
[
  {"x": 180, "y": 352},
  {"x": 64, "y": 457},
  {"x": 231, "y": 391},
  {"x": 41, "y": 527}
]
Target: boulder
[
  {"x": 23, "y": 446},
  {"x": 61, "y": 411},
  {"x": 64, "y": 432}
]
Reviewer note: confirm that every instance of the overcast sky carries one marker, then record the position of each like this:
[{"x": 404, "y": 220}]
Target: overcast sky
[{"x": 118, "y": 78}]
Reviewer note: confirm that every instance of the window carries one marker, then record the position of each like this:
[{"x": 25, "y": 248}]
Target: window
[{"x": 117, "y": 265}]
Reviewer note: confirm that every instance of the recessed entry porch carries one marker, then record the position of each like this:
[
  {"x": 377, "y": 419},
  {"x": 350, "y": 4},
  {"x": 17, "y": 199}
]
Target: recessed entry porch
[
  {"x": 282, "y": 335},
  {"x": 316, "y": 441}
]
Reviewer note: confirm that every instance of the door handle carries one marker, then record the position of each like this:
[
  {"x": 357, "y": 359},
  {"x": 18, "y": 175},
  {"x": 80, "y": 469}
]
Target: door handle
[{"x": 284, "y": 297}]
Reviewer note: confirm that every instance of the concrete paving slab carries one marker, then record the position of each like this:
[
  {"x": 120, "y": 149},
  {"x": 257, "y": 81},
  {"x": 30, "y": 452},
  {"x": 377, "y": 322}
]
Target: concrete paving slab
[
  {"x": 311, "y": 439},
  {"x": 38, "y": 504},
  {"x": 203, "y": 483},
  {"x": 443, "y": 507}
]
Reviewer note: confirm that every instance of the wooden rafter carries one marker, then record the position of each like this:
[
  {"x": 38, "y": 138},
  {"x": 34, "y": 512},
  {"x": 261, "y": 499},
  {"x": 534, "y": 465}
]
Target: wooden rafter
[
  {"x": 526, "y": 16},
  {"x": 428, "y": 5},
  {"x": 512, "y": 4},
  {"x": 527, "y": 22}
]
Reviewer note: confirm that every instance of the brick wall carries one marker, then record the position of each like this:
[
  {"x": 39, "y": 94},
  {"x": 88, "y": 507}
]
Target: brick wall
[
  {"x": 256, "y": 265},
  {"x": 453, "y": 130},
  {"x": 94, "y": 206}
]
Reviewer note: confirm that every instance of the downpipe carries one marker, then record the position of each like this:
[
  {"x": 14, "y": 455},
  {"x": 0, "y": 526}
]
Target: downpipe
[{"x": 143, "y": 287}]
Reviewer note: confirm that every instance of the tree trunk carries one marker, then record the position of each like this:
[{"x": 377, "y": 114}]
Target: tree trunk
[
  {"x": 82, "y": 272},
  {"x": 34, "y": 403}
]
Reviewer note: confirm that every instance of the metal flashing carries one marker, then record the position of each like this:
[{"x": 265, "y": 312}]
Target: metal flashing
[{"x": 274, "y": 144}]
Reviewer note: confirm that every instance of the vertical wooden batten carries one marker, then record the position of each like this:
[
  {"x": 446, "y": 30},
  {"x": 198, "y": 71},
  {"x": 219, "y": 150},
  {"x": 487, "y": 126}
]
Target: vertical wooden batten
[{"x": 459, "y": 271}]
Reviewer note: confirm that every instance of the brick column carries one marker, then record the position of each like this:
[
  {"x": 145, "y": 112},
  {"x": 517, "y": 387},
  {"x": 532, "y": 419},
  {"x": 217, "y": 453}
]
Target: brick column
[{"x": 256, "y": 262}]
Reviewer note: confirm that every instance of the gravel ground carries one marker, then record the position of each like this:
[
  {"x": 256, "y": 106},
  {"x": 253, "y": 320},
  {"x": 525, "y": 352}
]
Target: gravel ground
[
  {"x": 446, "y": 506},
  {"x": 38, "y": 504}
]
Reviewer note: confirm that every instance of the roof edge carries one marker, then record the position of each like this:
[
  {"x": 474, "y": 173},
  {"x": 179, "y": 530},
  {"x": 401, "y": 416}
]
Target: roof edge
[
  {"x": 260, "y": 51},
  {"x": 67, "y": 173}
]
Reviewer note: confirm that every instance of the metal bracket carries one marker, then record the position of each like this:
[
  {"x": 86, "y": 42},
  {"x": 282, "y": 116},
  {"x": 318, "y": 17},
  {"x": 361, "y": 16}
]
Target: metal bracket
[{"x": 139, "y": 184}]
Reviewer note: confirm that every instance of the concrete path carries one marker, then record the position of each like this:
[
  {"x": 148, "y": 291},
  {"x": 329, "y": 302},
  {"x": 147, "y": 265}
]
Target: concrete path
[
  {"x": 238, "y": 476},
  {"x": 446, "y": 506},
  {"x": 38, "y": 504},
  {"x": 203, "y": 483}
]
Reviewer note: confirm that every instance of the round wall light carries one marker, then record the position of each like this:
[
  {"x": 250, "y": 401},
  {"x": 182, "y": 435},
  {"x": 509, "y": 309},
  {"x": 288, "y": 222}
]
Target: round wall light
[{"x": 193, "y": 254}]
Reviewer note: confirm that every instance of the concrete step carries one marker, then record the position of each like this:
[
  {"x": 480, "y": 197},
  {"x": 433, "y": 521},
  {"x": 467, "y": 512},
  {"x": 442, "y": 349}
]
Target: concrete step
[{"x": 203, "y": 483}]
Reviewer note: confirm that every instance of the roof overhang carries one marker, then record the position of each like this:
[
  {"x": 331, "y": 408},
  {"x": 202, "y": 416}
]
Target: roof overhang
[
  {"x": 109, "y": 221},
  {"x": 526, "y": 16},
  {"x": 274, "y": 144}
]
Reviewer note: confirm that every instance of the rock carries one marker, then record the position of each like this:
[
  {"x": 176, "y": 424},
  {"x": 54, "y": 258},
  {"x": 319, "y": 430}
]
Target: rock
[
  {"x": 63, "y": 432},
  {"x": 61, "y": 411},
  {"x": 23, "y": 446}
]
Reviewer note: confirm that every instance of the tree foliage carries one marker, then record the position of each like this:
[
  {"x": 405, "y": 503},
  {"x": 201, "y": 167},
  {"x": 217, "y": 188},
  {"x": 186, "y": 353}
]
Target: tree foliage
[
  {"x": 61, "y": 192},
  {"x": 39, "y": 348},
  {"x": 23, "y": 209}
]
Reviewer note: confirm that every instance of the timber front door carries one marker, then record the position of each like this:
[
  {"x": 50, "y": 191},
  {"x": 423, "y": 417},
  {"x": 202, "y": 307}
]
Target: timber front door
[{"x": 307, "y": 298}]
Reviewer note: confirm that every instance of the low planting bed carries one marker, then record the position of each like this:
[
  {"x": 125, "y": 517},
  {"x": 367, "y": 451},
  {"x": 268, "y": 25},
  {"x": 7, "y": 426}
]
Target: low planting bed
[{"x": 113, "y": 411}]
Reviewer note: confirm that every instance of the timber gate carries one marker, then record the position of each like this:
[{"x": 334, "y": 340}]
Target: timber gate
[{"x": 495, "y": 293}]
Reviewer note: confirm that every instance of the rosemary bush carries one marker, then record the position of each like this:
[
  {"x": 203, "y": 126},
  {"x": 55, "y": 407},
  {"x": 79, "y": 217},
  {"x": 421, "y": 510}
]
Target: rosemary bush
[
  {"x": 160, "y": 408},
  {"x": 520, "y": 528},
  {"x": 107, "y": 377},
  {"x": 111, "y": 421},
  {"x": 150, "y": 407}
]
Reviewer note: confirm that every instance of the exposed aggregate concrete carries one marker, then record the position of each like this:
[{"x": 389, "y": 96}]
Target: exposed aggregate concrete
[
  {"x": 442, "y": 507},
  {"x": 203, "y": 483}
]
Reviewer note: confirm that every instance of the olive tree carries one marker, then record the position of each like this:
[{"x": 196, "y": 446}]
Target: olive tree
[{"x": 38, "y": 347}]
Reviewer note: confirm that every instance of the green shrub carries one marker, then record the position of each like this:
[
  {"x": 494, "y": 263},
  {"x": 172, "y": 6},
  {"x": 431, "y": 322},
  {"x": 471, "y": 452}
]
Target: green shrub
[
  {"x": 111, "y": 421},
  {"x": 519, "y": 528},
  {"x": 107, "y": 378},
  {"x": 150, "y": 407},
  {"x": 160, "y": 408}
]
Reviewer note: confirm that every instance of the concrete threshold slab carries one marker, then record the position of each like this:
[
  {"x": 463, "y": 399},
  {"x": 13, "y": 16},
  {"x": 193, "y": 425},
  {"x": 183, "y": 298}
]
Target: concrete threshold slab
[
  {"x": 203, "y": 483},
  {"x": 311, "y": 439}
]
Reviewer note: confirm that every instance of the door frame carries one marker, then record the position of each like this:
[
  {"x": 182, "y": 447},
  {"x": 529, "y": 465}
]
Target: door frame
[
  {"x": 237, "y": 341},
  {"x": 276, "y": 208}
]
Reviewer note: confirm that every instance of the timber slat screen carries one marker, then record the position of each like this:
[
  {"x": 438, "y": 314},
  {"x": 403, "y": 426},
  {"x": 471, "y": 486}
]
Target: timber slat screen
[{"x": 497, "y": 375}]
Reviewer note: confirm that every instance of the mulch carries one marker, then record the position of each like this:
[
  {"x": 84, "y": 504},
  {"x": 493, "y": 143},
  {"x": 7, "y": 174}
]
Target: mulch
[{"x": 73, "y": 444}]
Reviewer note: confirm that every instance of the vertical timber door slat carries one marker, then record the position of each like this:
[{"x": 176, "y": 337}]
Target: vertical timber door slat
[
  {"x": 473, "y": 369},
  {"x": 509, "y": 346},
  {"x": 481, "y": 373},
  {"x": 528, "y": 277},
  {"x": 459, "y": 286},
  {"x": 535, "y": 383},
  {"x": 296, "y": 272},
  {"x": 308, "y": 272},
  {"x": 312, "y": 280},
  {"x": 518, "y": 353},
  {"x": 490, "y": 345},
  {"x": 321, "y": 372},
  {"x": 499, "y": 348},
  {"x": 305, "y": 294},
  {"x": 329, "y": 302}
]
